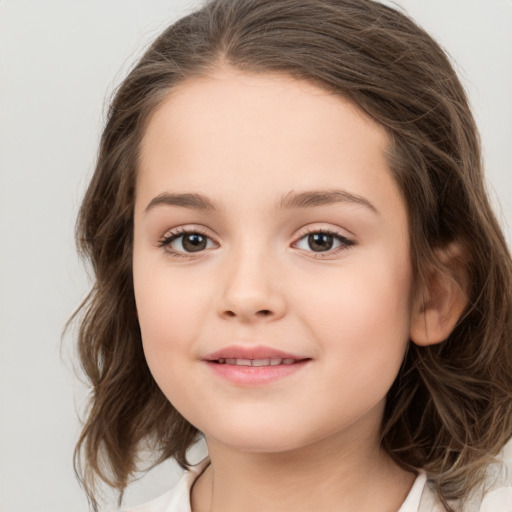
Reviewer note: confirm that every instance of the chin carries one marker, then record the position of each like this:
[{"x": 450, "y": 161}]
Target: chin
[
  {"x": 259, "y": 445},
  {"x": 259, "y": 438}
]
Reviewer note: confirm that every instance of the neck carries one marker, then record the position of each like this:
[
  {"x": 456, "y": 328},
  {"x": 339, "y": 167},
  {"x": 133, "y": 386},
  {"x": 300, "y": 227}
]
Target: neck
[{"x": 327, "y": 475}]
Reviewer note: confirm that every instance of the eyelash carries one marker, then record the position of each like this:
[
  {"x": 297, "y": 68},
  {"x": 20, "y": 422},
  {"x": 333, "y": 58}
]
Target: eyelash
[
  {"x": 173, "y": 235},
  {"x": 166, "y": 241}
]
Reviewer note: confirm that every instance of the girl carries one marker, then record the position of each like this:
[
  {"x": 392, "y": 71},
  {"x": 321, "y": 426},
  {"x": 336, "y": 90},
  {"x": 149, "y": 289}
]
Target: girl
[{"x": 295, "y": 258}]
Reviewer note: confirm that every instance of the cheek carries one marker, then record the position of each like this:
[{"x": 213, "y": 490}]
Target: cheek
[
  {"x": 168, "y": 312},
  {"x": 362, "y": 320},
  {"x": 164, "y": 325},
  {"x": 361, "y": 296}
]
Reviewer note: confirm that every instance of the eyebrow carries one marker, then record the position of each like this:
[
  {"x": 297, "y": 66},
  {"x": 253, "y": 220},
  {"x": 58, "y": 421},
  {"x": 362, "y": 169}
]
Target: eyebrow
[{"x": 291, "y": 200}]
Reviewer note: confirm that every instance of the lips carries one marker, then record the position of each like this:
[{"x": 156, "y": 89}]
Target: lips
[
  {"x": 253, "y": 356},
  {"x": 254, "y": 366},
  {"x": 272, "y": 361}
]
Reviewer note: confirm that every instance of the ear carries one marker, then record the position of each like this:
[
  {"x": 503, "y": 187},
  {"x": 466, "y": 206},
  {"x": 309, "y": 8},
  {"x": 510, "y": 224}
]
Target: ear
[{"x": 443, "y": 298}]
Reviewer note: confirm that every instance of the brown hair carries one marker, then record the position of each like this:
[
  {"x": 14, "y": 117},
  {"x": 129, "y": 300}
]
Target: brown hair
[{"x": 450, "y": 408}]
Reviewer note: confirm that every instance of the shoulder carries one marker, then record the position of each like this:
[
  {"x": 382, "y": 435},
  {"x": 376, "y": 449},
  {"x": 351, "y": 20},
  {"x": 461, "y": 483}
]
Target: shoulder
[
  {"x": 495, "y": 495},
  {"x": 178, "y": 498}
]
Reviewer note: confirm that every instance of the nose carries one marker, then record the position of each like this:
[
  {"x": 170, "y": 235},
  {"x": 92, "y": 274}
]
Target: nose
[{"x": 252, "y": 290}]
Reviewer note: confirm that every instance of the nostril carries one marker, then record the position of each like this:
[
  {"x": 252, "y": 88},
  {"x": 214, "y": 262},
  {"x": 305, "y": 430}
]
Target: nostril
[{"x": 262, "y": 312}]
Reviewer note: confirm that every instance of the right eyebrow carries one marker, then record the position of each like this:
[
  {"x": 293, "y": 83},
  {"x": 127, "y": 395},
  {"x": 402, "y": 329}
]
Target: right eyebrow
[{"x": 189, "y": 200}]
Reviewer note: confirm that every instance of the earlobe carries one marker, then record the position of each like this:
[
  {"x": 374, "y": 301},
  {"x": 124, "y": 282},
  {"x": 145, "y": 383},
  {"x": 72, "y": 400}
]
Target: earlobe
[{"x": 444, "y": 299}]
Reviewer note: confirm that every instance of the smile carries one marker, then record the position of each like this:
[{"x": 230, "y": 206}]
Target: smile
[
  {"x": 257, "y": 362},
  {"x": 249, "y": 366}
]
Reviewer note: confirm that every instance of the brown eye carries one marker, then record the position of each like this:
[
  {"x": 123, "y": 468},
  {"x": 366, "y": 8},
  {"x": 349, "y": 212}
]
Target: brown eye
[
  {"x": 324, "y": 241},
  {"x": 194, "y": 242},
  {"x": 320, "y": 241},
  {"x": 185, "y": 242}
]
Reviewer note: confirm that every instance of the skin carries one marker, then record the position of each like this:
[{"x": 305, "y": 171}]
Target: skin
[{"x": 308, "y": 441}]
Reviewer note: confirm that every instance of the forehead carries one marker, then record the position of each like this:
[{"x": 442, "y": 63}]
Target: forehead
[{"x": 237, "y": 132}]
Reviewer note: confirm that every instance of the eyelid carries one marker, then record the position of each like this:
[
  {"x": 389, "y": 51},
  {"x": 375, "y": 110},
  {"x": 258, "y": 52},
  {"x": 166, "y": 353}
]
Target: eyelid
[{"x": 183, "y": 230}]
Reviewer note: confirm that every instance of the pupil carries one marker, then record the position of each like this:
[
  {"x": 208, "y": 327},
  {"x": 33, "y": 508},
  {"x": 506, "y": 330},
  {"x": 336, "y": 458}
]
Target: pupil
[
  {"x": 321, "y": 241},
  {"x": 194, "y": 242}
]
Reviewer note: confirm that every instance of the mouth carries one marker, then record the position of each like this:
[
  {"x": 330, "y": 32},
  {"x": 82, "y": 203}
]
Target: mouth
[
  {"x": 257, "y": 365},
  {"x": 257, "y": 355},
  {"x": 274, "y": 361}
]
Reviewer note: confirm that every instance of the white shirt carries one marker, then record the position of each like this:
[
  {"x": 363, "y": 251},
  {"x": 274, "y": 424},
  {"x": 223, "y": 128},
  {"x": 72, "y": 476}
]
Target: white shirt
[{"x": 496, "y": 498}]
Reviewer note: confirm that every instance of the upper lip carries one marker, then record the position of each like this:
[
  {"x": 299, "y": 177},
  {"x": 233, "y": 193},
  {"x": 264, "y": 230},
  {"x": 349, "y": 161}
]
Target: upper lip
[{"x": 251, "y": 352}]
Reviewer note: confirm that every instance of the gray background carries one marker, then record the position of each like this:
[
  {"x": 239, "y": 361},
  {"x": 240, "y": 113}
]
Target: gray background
[{"x": 59, "y": 62}]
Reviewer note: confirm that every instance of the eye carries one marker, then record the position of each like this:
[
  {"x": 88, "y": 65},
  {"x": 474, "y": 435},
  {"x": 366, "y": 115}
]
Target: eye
[
  {"x": 324, "y": 241},
  {"x": 182, "y": 242}
]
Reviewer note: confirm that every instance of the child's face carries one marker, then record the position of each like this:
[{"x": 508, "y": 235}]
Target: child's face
[{"x": 254, "y": 277}]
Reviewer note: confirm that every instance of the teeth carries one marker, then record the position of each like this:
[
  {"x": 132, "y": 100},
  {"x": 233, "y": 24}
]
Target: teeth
[
  {"x": 256, "y": 362},
  {"x": 260, "y": 362}
]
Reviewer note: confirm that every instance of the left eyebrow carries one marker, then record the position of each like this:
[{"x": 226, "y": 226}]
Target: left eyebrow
[
  {"x": 306, "y": 199},
  {"x": 313, "y": 198}
]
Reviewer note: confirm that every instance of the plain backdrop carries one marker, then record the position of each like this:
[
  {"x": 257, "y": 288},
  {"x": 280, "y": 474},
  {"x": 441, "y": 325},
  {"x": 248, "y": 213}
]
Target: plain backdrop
[{"x": 59, "y": 62}]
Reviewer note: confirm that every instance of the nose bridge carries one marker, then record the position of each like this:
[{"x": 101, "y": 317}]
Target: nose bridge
[{"x": 251, "y": 285}]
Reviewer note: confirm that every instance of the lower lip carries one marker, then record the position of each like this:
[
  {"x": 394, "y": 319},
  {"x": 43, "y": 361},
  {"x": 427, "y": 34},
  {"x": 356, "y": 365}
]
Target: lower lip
[{"x": 255, "y": 375}]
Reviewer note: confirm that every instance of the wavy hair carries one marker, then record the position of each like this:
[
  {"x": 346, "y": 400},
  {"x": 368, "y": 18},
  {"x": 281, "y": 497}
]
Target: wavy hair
[{"x": 450, "y": 409}]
